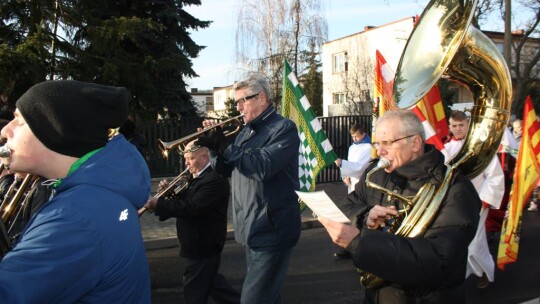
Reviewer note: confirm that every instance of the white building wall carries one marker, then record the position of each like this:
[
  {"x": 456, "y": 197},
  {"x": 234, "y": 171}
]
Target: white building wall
[
  {"x": 389, "y": 39},
  {"x": 221, "y": 94},
  {"x": 199, "y": 102}
]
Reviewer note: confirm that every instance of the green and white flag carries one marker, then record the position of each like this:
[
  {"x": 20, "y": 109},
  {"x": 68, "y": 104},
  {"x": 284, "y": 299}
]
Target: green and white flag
[{"x": 316, "y": 152}]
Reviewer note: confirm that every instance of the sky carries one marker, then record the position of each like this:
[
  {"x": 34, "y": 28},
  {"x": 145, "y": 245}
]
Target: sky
[{"x": 215, "y": 64}]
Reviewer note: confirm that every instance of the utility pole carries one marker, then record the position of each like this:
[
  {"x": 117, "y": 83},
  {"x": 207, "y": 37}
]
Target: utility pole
[
  {"x": 507, "y": 53},
  {"x": 53, "y": 43}
]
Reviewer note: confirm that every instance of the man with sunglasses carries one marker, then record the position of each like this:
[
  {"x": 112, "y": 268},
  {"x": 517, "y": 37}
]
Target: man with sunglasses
[
  {"x": 263, "y": 165},
  {"x": 425, "y": 269}
]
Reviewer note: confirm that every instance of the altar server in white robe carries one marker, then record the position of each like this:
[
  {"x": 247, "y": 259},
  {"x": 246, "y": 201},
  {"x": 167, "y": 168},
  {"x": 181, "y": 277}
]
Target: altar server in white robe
[
  {"x": 358, "y": 157},
  {"x": 490, "y": 187}
]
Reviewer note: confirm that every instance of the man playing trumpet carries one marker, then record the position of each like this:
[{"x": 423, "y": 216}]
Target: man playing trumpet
[
  {"x": 263, "y": 165},
  {"x": 201, "y": 222}
]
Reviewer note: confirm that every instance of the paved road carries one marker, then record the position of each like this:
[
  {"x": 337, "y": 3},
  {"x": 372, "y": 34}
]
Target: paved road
[
  {"x": 316, "y": 277},
  {"x": 158, "y": 234}
]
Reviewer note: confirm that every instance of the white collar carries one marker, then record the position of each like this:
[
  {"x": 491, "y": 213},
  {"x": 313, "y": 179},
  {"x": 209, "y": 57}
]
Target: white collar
[{"x": 200, "y": 172}]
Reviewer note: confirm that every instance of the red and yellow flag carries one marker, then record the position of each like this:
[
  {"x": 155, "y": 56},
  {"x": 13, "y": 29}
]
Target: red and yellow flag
[
  {"x": 429, "y": 108},
  {"x": 431, "y": 135},
  {"x": 384, "y": 84},
  {"x": 526, "y": 176},
  {"x": 382, "y": 92},
  {"x": 432, "y": 109}
]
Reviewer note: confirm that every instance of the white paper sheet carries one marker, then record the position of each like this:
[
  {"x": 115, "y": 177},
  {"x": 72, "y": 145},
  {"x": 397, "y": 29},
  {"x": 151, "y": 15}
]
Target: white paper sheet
[{"x": 322, "y": 205}]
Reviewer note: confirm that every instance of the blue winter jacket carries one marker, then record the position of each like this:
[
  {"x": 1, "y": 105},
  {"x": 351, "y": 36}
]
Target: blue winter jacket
[
  {"x": 264, "y": 159},
  {"x": 85, "y": 244}
]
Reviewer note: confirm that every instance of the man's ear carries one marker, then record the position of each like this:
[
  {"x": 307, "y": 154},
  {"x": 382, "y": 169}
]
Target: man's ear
[{"x": 417, "y": 143}]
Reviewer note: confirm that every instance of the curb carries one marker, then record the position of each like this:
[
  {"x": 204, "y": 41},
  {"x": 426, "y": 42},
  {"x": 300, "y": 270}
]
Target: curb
[{"x": 171, "y": 242}]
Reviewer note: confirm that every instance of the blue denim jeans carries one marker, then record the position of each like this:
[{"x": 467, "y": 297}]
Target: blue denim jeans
[{"x": 266, "y": 272}]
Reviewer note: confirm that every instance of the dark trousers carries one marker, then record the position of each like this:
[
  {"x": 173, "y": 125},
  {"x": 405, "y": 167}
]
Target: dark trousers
[{"x": 201, "y": 280}]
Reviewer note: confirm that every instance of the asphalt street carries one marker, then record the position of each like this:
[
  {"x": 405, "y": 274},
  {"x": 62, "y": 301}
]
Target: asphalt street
[{"x": 315, "y": 276}]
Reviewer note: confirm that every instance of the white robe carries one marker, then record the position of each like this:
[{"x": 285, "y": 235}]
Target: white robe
[
  {"x": 490, "y": 187},
  {"x": 356, "y": 163}
]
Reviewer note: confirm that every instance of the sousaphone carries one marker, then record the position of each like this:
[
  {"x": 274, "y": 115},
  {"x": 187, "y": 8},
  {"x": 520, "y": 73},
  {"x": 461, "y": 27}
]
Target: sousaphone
[{"x": 444, "y": 44}]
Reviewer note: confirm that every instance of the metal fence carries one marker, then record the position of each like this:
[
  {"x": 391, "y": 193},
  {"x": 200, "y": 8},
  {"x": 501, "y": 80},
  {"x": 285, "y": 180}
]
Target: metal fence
[{"x": 336, "y": 128}]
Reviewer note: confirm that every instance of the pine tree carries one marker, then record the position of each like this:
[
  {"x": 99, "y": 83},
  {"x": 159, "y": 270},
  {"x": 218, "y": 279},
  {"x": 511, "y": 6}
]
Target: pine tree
[
  {"x": 312, "y": 82},
  {"x": 142, "y": 45}
]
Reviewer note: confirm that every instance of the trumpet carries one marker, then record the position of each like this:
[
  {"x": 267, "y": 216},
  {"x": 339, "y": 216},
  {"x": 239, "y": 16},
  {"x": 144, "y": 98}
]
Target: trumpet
[
  {"x": 177, "y": 185},
  {"x": 180, "y": 143}
]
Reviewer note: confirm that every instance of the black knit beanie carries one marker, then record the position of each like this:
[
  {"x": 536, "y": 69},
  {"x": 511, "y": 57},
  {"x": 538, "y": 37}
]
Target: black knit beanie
[{"x": 72, "y": 117}]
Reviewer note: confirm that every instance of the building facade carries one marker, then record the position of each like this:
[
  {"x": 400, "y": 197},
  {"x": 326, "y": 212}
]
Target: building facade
[{"x": 349, "y": 65}]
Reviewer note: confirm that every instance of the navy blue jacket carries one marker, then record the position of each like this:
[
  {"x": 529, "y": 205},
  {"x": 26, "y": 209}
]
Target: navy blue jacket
[
  {"x": 85, "y": 244},
  {"x": 264, "y": 159}
]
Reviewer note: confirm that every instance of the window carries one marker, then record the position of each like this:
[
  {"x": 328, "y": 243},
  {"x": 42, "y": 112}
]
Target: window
[
  {"x": 500, "y": 47},
  {"x": 338, "y": 98},
  {"x": 339, "y": 62},
  {"x": 365, "y": 95}
]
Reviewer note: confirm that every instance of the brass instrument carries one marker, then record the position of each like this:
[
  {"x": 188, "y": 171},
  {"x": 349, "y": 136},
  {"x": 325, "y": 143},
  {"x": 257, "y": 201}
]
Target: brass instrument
[
  {"x": 5, "y": 243},
  {"x": 165, "y": 147},
  {"x": 444, "y": 43},
  {"x": 112, "y": 133},
  {"x": 12, "y": 203},
  {"x": 175, "y": 187},
  {"x": 4, "y": 152}
]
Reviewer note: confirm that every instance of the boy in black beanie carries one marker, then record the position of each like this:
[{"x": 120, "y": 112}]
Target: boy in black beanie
[{"x": 85, "y": 243}]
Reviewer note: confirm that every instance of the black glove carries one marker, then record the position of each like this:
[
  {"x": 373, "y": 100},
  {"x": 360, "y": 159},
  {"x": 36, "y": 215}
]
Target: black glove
[{"x": 214, "y": 140}]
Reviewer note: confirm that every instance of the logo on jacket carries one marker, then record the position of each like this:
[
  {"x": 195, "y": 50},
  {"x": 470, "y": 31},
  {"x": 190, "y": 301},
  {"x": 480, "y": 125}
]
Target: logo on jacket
[{"x": 123, "y": 215}]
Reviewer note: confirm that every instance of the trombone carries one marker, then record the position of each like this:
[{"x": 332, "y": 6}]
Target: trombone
[
  {"x": 177, "y": 185},
  {"x": 165, "y": 147}
]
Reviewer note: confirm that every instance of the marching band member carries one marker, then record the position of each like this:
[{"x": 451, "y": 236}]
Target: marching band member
[
  {"x": 84, "y": 244},
  {"x": 426, "y": 269},
  {"x": 201, "y": 223},
  {"x": 263, "y": 161}
]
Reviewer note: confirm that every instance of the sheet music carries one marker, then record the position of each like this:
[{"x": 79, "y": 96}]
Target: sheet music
[{"x": 322, "y": 205}]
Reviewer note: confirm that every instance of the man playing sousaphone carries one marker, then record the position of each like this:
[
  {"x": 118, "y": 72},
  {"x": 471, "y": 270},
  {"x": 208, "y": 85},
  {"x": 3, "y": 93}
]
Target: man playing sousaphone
[{"x": 426, "y": 269}]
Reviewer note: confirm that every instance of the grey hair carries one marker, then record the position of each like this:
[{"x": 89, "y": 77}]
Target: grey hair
[
  {"x": 255, "y": 83},
  {"x": 411, "y": 123}
]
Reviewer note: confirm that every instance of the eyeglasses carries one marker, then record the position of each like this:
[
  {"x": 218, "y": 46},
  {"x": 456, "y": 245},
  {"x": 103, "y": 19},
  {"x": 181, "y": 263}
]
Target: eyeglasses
[
  {"x": 387, "y": 143},
  {"x": 244, "y": 99}
]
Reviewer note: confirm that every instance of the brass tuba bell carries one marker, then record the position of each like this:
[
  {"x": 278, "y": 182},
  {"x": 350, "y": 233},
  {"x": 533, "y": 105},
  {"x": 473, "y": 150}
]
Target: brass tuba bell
[{"x": 444, "y": 43}]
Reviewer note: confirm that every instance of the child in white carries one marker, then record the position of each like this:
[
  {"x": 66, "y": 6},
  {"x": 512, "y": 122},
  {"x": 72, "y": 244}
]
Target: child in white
[{"x": 357, "y": 159}]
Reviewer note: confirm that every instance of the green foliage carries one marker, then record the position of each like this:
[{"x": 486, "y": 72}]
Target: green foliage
[
  {"x": 143, "y": 45},
  {"x": 313, "y": 89},
  {"x": 231, "y": 108}
]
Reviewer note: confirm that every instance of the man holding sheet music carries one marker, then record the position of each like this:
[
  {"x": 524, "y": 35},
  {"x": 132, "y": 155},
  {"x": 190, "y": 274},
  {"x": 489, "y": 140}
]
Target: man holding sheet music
[{"x": 427, "y": 269}]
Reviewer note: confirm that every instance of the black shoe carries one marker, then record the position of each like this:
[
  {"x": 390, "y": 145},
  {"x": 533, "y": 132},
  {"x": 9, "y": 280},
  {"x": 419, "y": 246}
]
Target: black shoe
[{"x": 342, "y": 254}]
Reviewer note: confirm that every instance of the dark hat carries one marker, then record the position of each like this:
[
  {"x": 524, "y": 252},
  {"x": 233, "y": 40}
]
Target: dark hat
[{"x": 72, "y": 117}]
